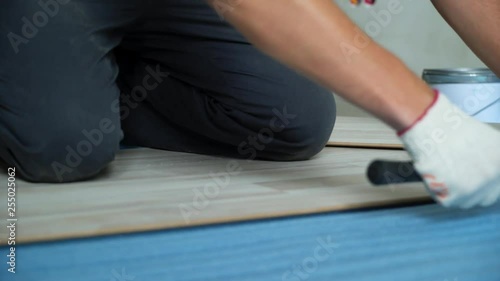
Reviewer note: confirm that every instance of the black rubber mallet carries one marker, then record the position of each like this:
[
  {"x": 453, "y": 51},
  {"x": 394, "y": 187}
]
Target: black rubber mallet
[{"x": 381, "y": 172}]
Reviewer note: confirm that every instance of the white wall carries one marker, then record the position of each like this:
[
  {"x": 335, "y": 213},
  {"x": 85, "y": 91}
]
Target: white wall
[{"x": 418, "y": 35}]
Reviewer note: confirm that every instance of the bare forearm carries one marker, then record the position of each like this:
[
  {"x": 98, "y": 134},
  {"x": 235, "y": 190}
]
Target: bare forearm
[
  {"x": 316, "y": 38},
  {"x": 478, "y": 23}
]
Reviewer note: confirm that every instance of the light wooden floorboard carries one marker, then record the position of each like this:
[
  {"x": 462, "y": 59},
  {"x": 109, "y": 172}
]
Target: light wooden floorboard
[
  {"x": 363, "y": 132},
  {"x": 145, "y": 189}
]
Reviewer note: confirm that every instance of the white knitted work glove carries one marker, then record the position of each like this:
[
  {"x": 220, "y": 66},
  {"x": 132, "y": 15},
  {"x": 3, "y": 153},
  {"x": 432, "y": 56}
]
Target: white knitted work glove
[{"x": 457, "y": 156}]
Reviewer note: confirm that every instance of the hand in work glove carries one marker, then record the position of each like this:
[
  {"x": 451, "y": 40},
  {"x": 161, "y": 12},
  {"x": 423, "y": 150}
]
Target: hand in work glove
[{"x": 457, "y": 156}]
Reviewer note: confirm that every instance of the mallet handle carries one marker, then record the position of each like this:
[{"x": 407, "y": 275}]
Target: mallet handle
[{"x": 381, "y": 172}]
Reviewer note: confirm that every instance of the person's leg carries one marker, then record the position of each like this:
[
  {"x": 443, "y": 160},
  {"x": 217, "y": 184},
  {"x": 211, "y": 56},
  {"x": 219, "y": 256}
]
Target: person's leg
[
  {"x": 319, "y": 40},
  {"x": 57, "y": 86},
  {"x": 222, "y": 96},
  {"x": 457, "y": 155},
  {"x": 477, "y": 22}
]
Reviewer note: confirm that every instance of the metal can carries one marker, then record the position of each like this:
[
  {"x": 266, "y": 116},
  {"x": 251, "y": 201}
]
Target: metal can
[{"x": 474, "y": 90}]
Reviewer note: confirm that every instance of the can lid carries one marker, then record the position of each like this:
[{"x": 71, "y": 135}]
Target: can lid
[{"x": 459, "y": 76}]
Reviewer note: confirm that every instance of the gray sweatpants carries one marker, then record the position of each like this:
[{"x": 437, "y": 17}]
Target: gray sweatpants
[{"x": 79, "y": 77}]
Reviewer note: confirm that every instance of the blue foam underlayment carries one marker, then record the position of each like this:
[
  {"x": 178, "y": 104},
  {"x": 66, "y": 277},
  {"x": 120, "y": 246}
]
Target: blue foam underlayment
[{"x": 410, "y": 243}]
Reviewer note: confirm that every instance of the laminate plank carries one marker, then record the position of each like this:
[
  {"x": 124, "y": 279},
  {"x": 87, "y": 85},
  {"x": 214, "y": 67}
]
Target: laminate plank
[
  {"x": 362, "y": 132},
  {"x": 145, "y": 189}
]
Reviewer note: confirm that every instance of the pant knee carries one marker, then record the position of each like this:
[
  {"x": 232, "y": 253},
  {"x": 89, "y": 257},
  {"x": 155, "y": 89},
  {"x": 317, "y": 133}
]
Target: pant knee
[
  {"x": 310, "y": 138},
  {"x": 298, "y": 130},
  {"x": 74, "y": 155}
]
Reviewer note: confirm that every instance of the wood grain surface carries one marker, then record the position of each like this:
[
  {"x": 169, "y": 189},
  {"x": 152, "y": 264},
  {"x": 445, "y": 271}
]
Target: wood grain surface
[
  {"x": 145, "y": 189},
  {"x": 362, "y": 132}
]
